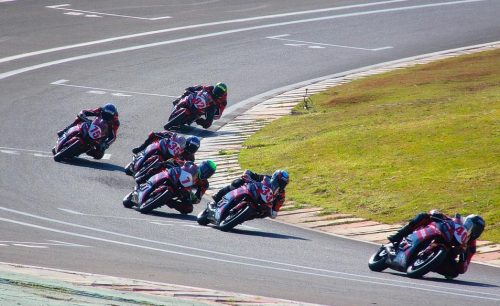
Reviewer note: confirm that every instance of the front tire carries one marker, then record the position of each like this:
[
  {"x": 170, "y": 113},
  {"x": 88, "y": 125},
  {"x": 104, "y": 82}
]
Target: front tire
[
  {"x": 378, "y": 261},
  {"x": 178, "y": 120},
  {"x": 154, "y": 202},
  {"x": 127, "y": 200},
  {"x": 235, "y": 218},
  {"x": 424, "y": 263},
  {"x": 202, "y": 218},
  {"x": 67, "y": 152},
  {"x": 128, "y": 169}
]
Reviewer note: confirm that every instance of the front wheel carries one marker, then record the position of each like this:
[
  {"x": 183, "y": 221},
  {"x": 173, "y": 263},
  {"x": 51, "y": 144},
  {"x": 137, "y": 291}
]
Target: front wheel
[
  {"x": 378, "y": 261},
  {"x": 202, "y": 218},
  {"x": 67, "y": 152},
  {"x": 425, "y": 262},
  {"x": 178, "y": 120},
  {"x": 154, "y": 202},
  {"x": 236, "y": 217},
  {"x": 128, "y": 169},
  {"x": 127, "y": 200}
]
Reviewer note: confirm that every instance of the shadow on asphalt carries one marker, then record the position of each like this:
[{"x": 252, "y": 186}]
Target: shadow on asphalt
[
  {"x": 460, "y": 282},
  {"x": 449, "y": 281},
  {"x": 101, "y": 165},
  {"x": 264, "y": 234},
  {"x": 172, "y": 215}
]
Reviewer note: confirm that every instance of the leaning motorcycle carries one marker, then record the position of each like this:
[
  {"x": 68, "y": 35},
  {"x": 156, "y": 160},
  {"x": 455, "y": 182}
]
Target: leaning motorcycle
[
  {"x": 252, "y": 202},
  {"x": 147, "y": 160},
  {"x": 188, "y": 109},
  {"x": 161, "y": 189},
  {"x": 420, "y": 252},
  {"x": 81, "y": 138}
]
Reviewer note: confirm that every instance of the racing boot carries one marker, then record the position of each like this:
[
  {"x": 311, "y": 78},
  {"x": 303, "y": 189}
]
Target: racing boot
[
  {"x": 140, "y": 148},
  {"x": 400, "y": 234},
  {"x": 61, "y": 132}
]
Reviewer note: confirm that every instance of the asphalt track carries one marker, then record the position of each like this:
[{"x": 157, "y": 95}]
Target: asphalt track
[{"x": 56, "y": 60}]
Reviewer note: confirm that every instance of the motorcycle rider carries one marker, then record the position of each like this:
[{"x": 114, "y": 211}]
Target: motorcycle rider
[
  {"x": 451, "y": 267},
  {"x": 183, "y": 179},
  {"x": 277, "y": 182},
  {"x": 192, "y": 144},
  {"x": 109, "y": 113},
  {"x": 218, "y": 94}
]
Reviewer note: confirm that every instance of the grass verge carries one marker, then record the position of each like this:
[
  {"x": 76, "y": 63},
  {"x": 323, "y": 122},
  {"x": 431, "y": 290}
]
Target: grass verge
[{"x": 389, "y": 146}]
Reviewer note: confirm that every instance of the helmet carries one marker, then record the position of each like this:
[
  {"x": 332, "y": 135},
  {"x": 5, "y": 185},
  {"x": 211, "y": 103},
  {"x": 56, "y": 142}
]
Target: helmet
[
  {"x": 279, "y": 179},
  {"x": 474, "y": 225},
  {"x": 220, "y": 89},
  {"x": 109, "y": 111},
  {"x": 206, "y": 169},
  {"x": 192, "y": 144}
]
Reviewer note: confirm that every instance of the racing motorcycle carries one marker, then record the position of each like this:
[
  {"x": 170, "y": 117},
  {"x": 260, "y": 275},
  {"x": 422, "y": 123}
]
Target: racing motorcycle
[
  {"x": 81, "y": 138},
  {"x": 146, "y": 161},
  {"x": 252, "y": 200},
  {"x": 161, "y": 189},
  {"x": 422, "y": 251},
  {"x": 188, "y": 109}
]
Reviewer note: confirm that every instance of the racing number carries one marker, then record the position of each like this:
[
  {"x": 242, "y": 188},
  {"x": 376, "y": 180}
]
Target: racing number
[{"x": 95, "y": 131}]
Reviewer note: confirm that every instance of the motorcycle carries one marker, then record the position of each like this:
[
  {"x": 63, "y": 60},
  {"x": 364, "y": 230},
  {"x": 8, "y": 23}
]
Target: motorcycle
[
  {"x": 188, "y": 109},
  {"x": 151, "y": 195},
  {"x": 422, "y": 251},
  {"x": 252, "y": 200},
  {"x": 146, "y": 161},
  {"x": 81, "y": 138},
  {"x": 154, "y": 167}
]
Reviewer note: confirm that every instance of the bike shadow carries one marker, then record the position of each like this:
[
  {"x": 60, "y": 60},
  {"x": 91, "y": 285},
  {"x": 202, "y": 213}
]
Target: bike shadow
[
  {"x": 172, "y": 215},
  {"x": 460, "y": 282},
  {"x": 100, "y": 165},
  {"x": 441, "y": 279},
  {"x": 264, "y": 234}
]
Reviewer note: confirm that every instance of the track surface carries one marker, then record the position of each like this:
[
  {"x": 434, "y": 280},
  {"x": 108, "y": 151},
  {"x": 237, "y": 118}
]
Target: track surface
[{"x": 54, "y": 62}]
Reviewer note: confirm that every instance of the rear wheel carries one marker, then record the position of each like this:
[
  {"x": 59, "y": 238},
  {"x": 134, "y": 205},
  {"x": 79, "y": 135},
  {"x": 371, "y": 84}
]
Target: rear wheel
[
  {"x": 154, "y": 202},
  {"x": 378, "y": 261},
  {"x": 236, "y": 217},
  {"x": 426, "y": 261},
  {"x": 68, "y": 151}
]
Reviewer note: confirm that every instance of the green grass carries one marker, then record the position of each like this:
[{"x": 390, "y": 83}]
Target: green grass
[{"x": 389, "y": 146}]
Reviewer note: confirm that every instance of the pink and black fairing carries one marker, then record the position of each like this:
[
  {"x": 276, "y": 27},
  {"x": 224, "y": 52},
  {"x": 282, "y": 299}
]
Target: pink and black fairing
[
  {"x": 257, "y": 194},
  {"x": 88, "y": 134}
]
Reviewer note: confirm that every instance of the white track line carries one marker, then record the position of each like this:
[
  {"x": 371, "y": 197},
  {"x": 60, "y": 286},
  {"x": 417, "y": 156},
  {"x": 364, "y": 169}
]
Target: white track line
[
  {"x": 196, "y": 37},
  {"x": 376, "y": 279},
  {"x": 63, "y": 83},
  {"x": 19, "y": 56},
  {"x": 385, "y": 282},
  {"x": 64, "y": 7},
  {"x": 280, "y": 37}
]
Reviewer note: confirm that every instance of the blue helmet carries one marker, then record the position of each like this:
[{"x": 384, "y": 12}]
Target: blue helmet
[
  {"x": 279, "y": 180},
  {"x": 109, "y": 111},
  {"x": 192, "y": 144}
]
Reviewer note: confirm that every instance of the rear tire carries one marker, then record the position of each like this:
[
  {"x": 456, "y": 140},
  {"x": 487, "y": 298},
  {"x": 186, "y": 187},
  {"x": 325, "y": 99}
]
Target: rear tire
[
  {"x": 235, "y": 218},
  {"x": 67, "y": 152},
  {"x": 378, "y": 261},
  {"x": 154, "y": 202},
  {"x": 423, "y": 265}
]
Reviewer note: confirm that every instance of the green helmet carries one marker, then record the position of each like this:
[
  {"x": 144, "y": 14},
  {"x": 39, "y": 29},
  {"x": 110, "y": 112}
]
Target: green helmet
[
  {"x": 206, "y": 169},
  {"x": 220, "y": 89}
]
